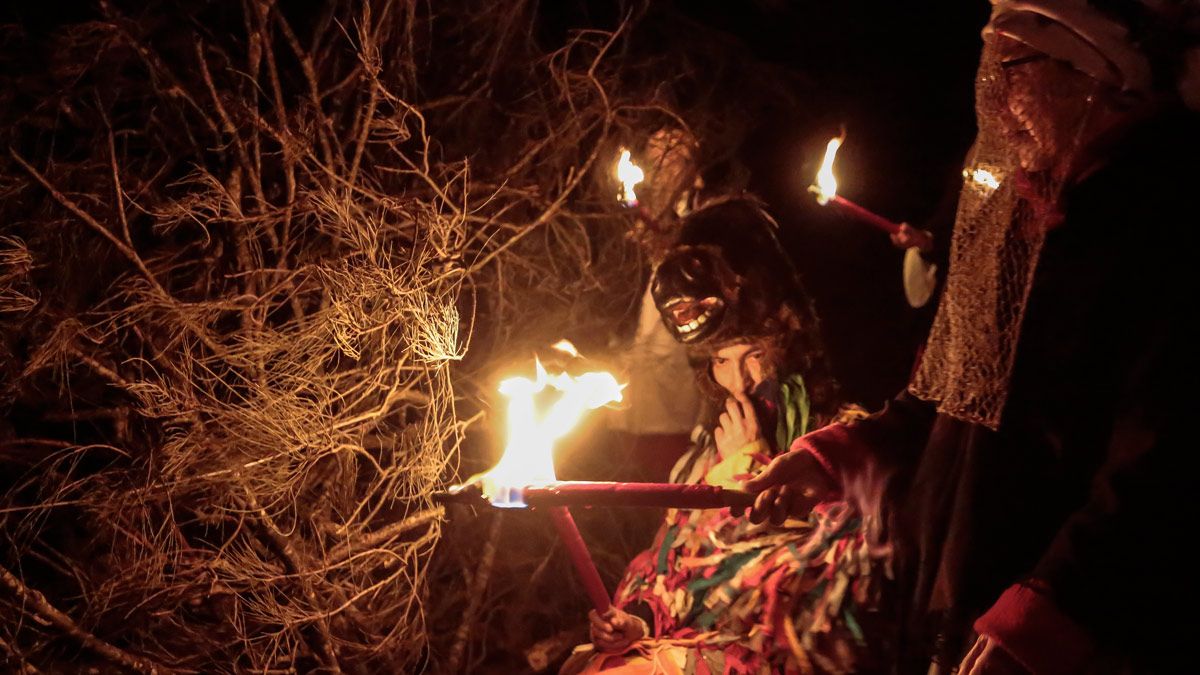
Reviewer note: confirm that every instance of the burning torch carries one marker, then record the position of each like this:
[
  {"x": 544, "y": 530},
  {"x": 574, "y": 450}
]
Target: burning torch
[
  {"x": 525, "y": 478},
  {"x": 826, "y": 193}
]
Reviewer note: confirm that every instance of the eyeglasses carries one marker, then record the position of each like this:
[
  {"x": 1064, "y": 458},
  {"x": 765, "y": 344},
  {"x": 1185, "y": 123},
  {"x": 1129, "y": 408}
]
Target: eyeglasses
[
  {"x": 1009, "y": 67},
  {"x": 1031, "y": 58}
]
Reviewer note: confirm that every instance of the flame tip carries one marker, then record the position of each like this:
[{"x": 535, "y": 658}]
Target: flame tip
[
  {"x": 629, "y": 174},
  {"x": 826, "y": 187},
  {"x": 567, "y": 347}
]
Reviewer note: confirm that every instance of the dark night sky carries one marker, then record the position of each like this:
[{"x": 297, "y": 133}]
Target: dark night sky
[
  {"x": 900, "y": 79},
  {"x": 898, "y": 76}
]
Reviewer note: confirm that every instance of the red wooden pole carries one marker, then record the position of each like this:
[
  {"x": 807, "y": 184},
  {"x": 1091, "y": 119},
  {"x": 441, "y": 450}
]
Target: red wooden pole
[
  {"x": 581, "y": 558},
  {"x": 654, "y": 495},
  {"x": 869, "y": 217}
]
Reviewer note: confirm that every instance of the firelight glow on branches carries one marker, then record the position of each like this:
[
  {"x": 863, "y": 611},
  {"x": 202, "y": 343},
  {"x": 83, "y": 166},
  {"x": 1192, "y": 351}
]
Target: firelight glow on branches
[
  {"x": 528, "y": 458},
  {"x": 630, "y": 175}
]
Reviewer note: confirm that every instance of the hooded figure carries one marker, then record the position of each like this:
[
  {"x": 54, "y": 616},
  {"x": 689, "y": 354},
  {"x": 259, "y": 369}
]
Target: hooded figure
[
  {"x": 728, "y": 280},
  {"x": 715, "y": 593},
  {"x": 1036, "y": 466}
]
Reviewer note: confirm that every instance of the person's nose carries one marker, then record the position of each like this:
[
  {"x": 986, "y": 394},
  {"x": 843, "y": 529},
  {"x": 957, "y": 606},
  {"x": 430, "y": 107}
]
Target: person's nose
[{"x": 743, "y": 381}]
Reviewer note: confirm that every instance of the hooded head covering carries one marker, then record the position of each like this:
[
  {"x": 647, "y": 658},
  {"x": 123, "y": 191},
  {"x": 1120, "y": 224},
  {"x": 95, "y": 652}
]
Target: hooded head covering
[
  {"x": 1000, "y": 226},
  {"x": 727, "y": 280}
]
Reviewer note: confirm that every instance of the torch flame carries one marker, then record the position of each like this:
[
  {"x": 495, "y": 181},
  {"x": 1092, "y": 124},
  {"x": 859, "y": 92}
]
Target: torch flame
[
  {"x": 629, "y": 174},
  {"x": 529, "y": 452},
  {"x": 826, "y": 187},
  {"x": 566, "y": 347}
]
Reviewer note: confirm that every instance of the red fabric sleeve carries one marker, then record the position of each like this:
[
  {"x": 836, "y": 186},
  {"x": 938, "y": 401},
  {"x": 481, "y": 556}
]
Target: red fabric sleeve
[
  {"x": 1035, "y": 632},
  {"x": 862, "y": 456}
]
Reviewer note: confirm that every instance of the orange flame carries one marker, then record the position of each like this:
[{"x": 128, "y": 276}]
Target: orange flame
[
  {"x": 529, "y": 451},
  {"x": 826, "y": 187},
  {"x": 566, "y": 347},
  {"x": 630, "y": 175}
]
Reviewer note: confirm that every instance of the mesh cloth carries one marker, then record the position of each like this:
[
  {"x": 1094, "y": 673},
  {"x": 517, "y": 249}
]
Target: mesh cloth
[{"x": 999, "y": 230}]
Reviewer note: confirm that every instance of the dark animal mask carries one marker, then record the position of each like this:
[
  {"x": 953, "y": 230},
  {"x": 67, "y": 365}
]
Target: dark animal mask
[{"x": 726, "y": 278}]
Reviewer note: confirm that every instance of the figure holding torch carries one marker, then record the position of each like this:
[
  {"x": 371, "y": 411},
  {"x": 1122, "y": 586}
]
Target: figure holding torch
[
  {"x": 920, "y": 272},
  {"x": 711, "y": 584}
]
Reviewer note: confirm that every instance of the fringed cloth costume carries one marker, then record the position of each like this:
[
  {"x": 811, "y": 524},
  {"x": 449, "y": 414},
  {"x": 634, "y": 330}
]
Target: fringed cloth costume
[
  {"x": 1042, "y": 463},
  {"x": 722, "y": 595}
]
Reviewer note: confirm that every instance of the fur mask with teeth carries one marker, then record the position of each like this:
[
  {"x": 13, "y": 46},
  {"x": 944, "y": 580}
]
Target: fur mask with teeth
[{"x": 726, "y": 279}]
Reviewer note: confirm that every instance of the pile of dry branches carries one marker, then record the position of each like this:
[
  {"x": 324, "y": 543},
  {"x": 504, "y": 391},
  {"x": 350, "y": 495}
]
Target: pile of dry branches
[{"x": 242, "y": 247}]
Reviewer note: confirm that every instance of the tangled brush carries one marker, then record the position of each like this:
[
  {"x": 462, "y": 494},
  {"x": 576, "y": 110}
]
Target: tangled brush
[{"x": 257, "y": 265}]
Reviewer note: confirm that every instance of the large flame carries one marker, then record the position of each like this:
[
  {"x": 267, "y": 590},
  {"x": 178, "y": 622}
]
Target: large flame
[
  {"x": 826, "y": 187},
  {"x": 529, "y": 451},
  {"x": 630, "y": 175}
]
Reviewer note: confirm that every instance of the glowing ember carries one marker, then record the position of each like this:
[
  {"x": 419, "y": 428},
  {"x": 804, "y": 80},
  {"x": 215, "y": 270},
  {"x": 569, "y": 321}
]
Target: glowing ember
[
  {"x": 566, "y": 347},
  {"x": 982, "y": 178},
  {"x": 826, "y": 187},
  {"x": 528, "y": 458},
  {"x": 630, "y": 175}
]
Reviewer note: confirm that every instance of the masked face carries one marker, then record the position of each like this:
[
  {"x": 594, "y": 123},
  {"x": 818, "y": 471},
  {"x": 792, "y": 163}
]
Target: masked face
[
  {"x": 1045, "y": 106},
  {"x": 1050, "y": 112},
  {"x": 726, "y": 279},
  {"x": 692, "y": 289}
]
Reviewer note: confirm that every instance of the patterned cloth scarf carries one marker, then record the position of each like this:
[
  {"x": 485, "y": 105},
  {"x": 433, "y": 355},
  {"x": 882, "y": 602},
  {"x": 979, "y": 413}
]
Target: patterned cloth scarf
[{"x": 728, "y": 596}]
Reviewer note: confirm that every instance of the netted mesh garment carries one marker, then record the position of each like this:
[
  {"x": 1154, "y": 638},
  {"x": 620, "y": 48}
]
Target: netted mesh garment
[{"x": 999, "y": 229}]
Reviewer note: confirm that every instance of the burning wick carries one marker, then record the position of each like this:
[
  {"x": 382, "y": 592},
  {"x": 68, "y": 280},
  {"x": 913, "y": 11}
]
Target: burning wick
[
  {"x": 629, "y": 174},
  {"x": 826, "y": 192},
  {"x": 528, "y": 458},
  {"x": 524, "y": 477}
]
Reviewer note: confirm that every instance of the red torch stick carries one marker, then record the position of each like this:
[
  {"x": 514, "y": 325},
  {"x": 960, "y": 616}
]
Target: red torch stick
[
  {"x": 869, "y": 217},
  {"x": 581, "y": 558},
  {"x": 603, "y": 494},
  {"x": 652, "y": 495},
  {"x": 826, "y": 192}
]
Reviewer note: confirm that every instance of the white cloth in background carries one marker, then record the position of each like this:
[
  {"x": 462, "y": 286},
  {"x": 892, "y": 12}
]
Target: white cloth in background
[
  {"x": 661, "y": 397},
  {"x": 920, "y": 278}
]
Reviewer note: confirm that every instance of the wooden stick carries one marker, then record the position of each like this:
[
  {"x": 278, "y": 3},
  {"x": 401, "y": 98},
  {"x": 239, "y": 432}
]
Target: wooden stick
[
  {"x": 34, "y": 601},
  {"x": 582, "y": 559}
]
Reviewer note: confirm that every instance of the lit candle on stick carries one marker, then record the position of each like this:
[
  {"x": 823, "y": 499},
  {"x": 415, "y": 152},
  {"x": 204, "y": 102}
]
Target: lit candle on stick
[
  {"x": 525, "y": 478},
  {"x": 629, "y": 175},
  {"x": 826, "y": 192},
  {"x": 604, "y": 494},
  {"x": 528, "y": 459}
]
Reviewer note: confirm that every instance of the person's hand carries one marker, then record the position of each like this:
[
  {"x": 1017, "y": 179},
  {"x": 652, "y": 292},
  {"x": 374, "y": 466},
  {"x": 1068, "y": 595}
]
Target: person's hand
[
  {"x": 737, "y": 426},
  {"x": 908, "y": 236},
  {"x": 790, "y": 486},
  {"x": 615, "y": 630},
  {"x": 987, "y": 657}
]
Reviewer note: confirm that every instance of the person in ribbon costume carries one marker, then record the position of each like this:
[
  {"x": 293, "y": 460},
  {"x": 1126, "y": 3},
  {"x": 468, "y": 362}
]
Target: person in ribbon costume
[
  {"x": 715, "y": 593},
  {"x": 1036, "y": 468}
]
